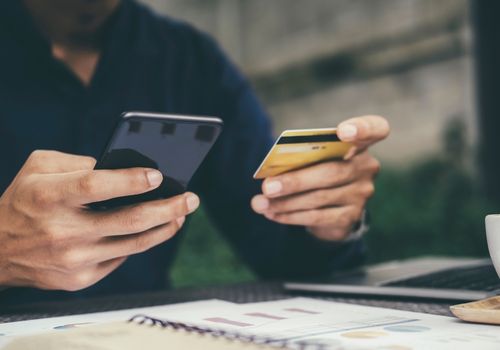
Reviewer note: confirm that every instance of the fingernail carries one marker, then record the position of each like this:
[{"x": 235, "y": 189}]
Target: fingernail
[
  {"x": 181, "y": 220},
  {"x": 273, "y": 187},
  {"x": 347, "y": 131},
  {"x": 260, "y": 204},
  {"x": 192, "y": 202},
  {"x": 155, "y": 178}
]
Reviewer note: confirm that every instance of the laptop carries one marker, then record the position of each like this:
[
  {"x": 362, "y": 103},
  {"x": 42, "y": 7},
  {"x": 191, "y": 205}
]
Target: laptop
[{"x": 435, "y": 278}]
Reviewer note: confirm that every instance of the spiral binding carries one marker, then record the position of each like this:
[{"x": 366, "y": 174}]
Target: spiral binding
[{"x": 233, "y": 336}]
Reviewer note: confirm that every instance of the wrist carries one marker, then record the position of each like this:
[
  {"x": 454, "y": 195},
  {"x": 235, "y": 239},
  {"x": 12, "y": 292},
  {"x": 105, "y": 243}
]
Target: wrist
[{"x": 355, "y": 233}]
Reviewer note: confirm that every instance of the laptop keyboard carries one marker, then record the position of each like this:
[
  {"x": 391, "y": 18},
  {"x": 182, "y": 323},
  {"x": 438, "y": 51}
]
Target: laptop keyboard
[{"x": 480, "y": 278}]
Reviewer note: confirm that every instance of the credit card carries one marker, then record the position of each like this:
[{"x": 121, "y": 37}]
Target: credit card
[{"x": 297, "y": 149}]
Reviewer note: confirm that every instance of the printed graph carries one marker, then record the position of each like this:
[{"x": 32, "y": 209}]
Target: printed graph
[
  {"x": 265, "y": 315},
  {"x": 228, "y": 321}
]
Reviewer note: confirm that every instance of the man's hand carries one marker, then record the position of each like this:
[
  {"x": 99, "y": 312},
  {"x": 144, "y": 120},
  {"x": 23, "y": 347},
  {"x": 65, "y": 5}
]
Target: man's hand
[
  {"x": 328, "y": 198},
  {"x": 50, "y": 240}
]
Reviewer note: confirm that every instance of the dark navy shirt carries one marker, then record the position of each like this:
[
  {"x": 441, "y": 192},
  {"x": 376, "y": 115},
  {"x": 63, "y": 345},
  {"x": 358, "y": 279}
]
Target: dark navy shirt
[{"x": 156, "y": 64}]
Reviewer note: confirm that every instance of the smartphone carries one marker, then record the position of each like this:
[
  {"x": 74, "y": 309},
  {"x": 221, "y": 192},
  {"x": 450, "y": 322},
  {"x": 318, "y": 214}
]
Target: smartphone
[
  {"x": 175, "y": 145},
  {"x": 295, "y": 149}
]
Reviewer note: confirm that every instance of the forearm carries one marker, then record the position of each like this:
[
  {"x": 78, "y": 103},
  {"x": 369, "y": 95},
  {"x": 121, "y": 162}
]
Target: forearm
[
  {"x": 279, "y": 251},
  {"x": 302, "y": 255}
]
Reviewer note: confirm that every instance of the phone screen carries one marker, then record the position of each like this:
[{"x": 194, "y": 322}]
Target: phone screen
[{"x": 175, "y": 145}]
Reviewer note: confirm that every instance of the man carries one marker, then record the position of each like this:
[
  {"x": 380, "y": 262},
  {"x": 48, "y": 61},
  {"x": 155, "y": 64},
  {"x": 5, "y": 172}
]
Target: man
[{"x": 68, "y": 69}]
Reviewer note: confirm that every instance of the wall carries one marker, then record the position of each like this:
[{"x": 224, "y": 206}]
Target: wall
[{"x": 316, "y": 62}]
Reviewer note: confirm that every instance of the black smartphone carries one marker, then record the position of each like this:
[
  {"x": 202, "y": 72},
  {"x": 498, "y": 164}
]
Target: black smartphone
[{"x": 174, "y": 144}]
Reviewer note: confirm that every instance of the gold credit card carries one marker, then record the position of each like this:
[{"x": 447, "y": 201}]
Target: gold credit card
[{"x": 297, "y": 149}]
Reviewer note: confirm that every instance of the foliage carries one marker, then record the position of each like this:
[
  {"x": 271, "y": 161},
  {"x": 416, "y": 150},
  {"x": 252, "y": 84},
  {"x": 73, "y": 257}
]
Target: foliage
[
  {"x": 432, "y": 208},
  {"x": 205, "y": 258}
]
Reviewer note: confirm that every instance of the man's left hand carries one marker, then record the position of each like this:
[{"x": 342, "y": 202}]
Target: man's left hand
[{"x": 328, "y": 198}]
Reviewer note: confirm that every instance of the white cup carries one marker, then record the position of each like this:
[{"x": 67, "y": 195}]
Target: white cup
[{"x": 493, "y": 236}]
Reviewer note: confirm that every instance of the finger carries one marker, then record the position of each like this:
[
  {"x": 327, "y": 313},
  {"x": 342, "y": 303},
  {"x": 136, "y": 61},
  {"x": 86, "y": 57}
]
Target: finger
[
  {"x": 79, "y": 279},
  {"x": 121, "y": 246},
  {"x": 142, "y": 217},
  {"x": 106, "y": 267},
  {"x": 92, "y": 275},
  {"x": 88, "y": 186},
  {"x": 111, "y": 248},
  {"x": 363, "y": 131},
  {"x": 48, "y": 162},
  {"x": 339, "y": 217},
  {"x": 319, "y": 176},
  {"x": 87, "y": 254},
  {"x": 356, "y": 193}
]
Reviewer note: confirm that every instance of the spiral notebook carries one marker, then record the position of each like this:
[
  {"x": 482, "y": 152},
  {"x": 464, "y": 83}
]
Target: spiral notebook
[
  {"x": 142, "y": 332},
  {"x": 297, "y": 323}
]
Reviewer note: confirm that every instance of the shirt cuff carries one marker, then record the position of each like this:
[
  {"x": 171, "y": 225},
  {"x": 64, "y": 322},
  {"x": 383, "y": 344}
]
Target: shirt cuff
[
  {"x": 357, "y": 232},
  {"x": 359, "y": 229}
]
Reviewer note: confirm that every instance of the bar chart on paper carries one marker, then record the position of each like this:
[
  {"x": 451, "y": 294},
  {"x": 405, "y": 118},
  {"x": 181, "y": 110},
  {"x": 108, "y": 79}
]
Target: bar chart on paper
[
  {"x": 296, "y": 322},
  {"x": 303, "y": 320}
]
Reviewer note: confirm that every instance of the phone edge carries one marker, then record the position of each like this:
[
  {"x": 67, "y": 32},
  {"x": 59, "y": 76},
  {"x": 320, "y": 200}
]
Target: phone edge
[{"x": 166, "y": 116}]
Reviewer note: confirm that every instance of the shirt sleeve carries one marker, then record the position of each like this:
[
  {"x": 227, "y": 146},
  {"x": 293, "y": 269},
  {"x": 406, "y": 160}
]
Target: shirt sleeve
[{"x": 272, "y": 250}]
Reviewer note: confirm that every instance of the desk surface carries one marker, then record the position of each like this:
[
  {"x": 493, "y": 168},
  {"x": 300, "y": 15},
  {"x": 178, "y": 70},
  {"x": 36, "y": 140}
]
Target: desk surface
[{"x": 239, "y": 293}]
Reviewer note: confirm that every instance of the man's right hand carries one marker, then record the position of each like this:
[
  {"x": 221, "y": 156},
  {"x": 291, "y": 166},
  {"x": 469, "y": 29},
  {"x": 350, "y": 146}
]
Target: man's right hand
[{"x": 50, "y": 240}]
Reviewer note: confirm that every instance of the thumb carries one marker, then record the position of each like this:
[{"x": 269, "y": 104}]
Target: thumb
[{"x": 363, "y": 131}]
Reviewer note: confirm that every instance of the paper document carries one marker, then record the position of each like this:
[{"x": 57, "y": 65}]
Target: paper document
[
  {"x": 9, "y": 331},
  {"x": 128, "y": 336},
  {"x": 344, "y": 326},
  {"x": 297, "y": 321}
]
